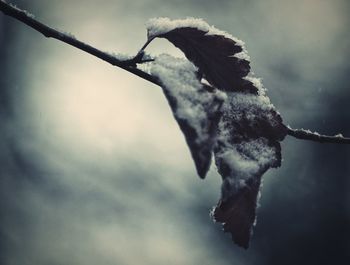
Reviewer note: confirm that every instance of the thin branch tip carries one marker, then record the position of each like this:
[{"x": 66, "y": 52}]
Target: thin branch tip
[{"x": 316, "y": 137}]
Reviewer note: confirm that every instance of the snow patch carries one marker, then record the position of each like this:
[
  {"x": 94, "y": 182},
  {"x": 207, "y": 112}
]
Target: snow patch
[
  {"x": 245, "y": 107},
  {"x": 28, "y": 14},
  {"x": 242, "y": 157},
  {"x": 179, "y": 77},
  {"x": 122, "y": 56},
  {"x": 244, "y": 161}
]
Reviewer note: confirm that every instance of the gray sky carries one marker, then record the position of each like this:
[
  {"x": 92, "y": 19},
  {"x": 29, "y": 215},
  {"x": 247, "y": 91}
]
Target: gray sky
[{"x": 94, "y": 169}]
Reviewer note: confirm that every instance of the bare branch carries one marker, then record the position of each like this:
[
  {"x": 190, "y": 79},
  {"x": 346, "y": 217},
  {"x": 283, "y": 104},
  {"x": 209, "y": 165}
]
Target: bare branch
[
  {"x": 28, "y": 19},
  {"x": 316, "y": 137},
  {"x": 131, "y": 65}
]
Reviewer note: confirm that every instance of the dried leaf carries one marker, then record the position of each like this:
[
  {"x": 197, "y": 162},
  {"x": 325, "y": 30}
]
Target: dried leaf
[
  {"x": 248, "y": 145},
  {"x": 214, "y": 55},
  {"x": 238, "y": 213},
  {"x": 195, "y": 106},
  {"x": 248, "y": 135}
]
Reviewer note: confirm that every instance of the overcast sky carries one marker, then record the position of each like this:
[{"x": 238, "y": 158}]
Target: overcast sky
[{"x": 94, "y": 169}]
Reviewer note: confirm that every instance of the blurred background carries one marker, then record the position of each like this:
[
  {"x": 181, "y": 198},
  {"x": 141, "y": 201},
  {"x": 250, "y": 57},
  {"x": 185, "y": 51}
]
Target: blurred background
[{"x": 94, "y": 169}]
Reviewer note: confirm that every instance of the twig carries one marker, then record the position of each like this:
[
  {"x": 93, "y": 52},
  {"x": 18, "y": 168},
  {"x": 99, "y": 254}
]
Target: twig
[
  {"x": 316, "y": 137},
  {"x": 26, "y": 18}
]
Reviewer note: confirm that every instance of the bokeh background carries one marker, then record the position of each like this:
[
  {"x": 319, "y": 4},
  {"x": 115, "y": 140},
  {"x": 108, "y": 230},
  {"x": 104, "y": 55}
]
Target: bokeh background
[{"x": 94, "y": 169}]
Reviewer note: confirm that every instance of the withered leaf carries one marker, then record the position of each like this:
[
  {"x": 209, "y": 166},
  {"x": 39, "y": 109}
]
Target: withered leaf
[
  {"x": 195, "y": 106},
  {"x": 214, "y": 55},
  {"x": 248, "y": 145},
  {"x": 238, "y": 212},
  {"x": 248, "y": 131}
]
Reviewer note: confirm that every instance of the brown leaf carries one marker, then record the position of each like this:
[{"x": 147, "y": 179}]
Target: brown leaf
[
  {"x": 248, "y": 145},
  {"x": 238, "y": 212},
  {"x": 214, "y": 57},
  {"x": 236, "y": 209}
]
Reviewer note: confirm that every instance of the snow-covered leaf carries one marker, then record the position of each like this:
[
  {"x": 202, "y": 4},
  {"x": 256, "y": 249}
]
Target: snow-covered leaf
[
  {"x": 245, "y": 132},
  {"x": 248, "y": 145},
  {"x": 196, "y": 107},
  {"x": 221, "y": 58}
]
